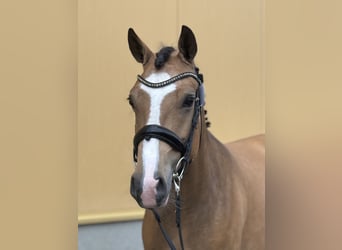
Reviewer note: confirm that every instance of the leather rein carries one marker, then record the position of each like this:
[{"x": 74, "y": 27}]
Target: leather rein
[{"x": 169, "y": 137}]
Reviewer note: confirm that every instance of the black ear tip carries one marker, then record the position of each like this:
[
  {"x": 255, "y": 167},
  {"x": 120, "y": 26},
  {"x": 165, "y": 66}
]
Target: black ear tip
[
  {"x": 131, "y": 31},
  {"x": 186, "y": 28},
  {"x": 187, "y": 32}
]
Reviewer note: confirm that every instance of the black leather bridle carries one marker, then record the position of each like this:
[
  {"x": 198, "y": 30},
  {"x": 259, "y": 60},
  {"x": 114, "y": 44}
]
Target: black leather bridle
[
  {"x": 161, "y": 133},
  {"x": 169, "y": 137}
]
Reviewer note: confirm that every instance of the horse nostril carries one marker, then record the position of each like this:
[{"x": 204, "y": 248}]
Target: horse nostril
[
  {"x": 161, "y": 190},
  {"x": 136, "y": 189}
]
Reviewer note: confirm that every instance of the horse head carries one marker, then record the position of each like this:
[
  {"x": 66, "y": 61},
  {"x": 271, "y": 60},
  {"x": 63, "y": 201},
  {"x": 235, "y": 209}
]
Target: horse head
[{"x": 166, "y": 99}]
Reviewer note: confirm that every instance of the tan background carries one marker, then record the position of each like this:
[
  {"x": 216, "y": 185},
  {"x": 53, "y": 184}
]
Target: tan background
[
  {"x": 301, "y": 48},
  {"x": 229, "y": 36},
  {"x": 38, "y": 125}
]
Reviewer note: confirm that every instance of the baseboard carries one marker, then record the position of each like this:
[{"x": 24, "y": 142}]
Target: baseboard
[{"x": 97, "y": 218}]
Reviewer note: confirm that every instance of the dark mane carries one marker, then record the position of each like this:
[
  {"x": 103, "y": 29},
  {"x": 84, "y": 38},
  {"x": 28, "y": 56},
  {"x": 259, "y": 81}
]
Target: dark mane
[
  {"x": 162, "y": 56},
  {"x": 207, "y": 122},
  {"x": 200, "y": 76}
]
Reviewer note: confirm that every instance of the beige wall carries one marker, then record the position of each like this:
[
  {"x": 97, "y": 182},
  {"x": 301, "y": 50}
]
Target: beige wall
[
  {"x": 229, "y": 36},
  {"x": 304, "y": 121},
  {"x": 38, "y": 124},
  {"x": 300, "y": 59}
]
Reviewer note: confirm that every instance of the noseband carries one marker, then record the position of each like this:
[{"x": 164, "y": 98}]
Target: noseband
[
  {"x": 169, "y": 137},
  {"x": 166, "y": 135}
]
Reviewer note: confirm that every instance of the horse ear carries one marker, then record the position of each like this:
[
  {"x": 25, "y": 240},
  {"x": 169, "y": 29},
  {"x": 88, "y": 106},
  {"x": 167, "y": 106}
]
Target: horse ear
[
  {"x": 139, "y": 50},
  {"x": 187, "y": 45}
]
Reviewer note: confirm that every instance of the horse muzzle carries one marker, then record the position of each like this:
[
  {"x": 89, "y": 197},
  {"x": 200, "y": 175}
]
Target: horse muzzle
[{"x": 150, "y": 193}]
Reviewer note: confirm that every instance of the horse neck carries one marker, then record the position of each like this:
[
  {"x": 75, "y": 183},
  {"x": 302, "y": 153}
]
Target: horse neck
[
  {"x": 208, "y": 174},
  {"x": 207, "y": 177}
]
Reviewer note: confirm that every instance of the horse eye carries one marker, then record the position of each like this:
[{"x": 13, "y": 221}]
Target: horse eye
[{"x": 188, "y": 101}]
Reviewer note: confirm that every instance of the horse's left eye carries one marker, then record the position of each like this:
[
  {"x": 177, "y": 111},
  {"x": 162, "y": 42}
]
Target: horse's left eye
[{"x": 188, "y": 101}]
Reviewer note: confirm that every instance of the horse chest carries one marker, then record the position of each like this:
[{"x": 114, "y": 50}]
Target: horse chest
[{"x": 201, "y": 230}]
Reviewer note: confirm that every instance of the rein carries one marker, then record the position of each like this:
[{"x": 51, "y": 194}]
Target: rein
[{"x": 169, "y": 137}]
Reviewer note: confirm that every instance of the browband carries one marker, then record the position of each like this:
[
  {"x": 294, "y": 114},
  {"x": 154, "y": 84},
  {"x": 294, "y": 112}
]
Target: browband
[
  {"x": 169, "y": 81},
  {"x": 197, "y": 77}
]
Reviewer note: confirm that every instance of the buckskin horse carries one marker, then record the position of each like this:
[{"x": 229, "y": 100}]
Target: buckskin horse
[{"x": 197, "y": 192}]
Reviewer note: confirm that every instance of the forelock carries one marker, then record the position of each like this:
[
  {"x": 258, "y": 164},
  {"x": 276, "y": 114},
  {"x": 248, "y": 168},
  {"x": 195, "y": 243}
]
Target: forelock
[{"x": 163, "y": 56}]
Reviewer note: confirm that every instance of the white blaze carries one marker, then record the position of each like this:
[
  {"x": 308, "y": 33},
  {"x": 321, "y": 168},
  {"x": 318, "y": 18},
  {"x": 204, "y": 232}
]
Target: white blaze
[{"x": 150, "y": 149}]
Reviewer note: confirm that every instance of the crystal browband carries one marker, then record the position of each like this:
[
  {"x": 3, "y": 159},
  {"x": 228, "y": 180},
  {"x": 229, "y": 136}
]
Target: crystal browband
[{"x": 169, "y": 81}]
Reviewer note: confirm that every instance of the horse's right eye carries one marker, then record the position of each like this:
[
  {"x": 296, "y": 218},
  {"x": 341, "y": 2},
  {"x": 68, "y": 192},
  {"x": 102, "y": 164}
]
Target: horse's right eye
[{"x": 188, "y": 101}]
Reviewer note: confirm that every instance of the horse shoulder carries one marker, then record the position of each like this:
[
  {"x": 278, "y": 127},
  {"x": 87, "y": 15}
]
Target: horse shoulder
[
  {"x": 248, "y": 156},
  {"x": 249, "y": 167}
]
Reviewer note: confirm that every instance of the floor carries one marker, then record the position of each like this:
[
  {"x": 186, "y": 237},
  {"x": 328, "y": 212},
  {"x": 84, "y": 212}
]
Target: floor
[{"x": 111, "y": 236}]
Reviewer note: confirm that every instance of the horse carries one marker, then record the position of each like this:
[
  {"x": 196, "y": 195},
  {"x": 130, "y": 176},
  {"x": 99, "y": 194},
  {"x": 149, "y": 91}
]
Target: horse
[{"x": 197, "y": 192}]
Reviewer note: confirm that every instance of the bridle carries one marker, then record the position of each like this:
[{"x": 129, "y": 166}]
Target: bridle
[
  {"x": 166, "y": 135},
  {"x": 171, "y": 138}
]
